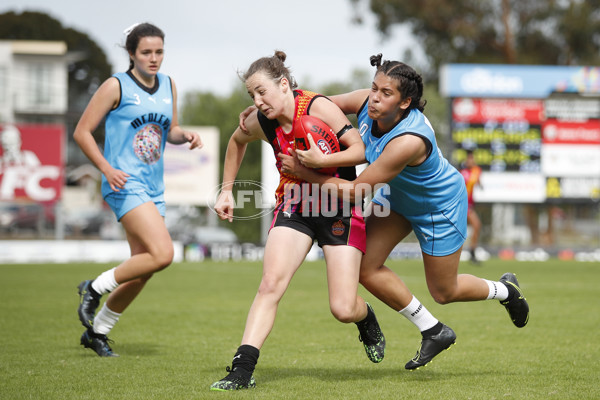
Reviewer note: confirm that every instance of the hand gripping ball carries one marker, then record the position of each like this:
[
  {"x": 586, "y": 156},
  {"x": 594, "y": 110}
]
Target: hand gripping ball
[{"x": 323, "y": 136}]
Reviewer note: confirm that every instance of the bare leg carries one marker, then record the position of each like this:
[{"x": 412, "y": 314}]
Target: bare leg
[
  {"x": 446, "y": 285},
  {"x": 383, "y": 234},
  {"x": 120, "y": 298},
  {"x": 284, "y": 252},
  {"x": 151, "y": 251},
  {"x": 475, "y": 222},
  {"x": 150, "y": 243},
  {"x": 343, "y": 265}
]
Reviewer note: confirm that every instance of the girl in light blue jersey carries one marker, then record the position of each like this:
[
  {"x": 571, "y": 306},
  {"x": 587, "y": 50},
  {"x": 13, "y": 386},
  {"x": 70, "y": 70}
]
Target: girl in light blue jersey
[
  {"x": 423, "y": 194},
  {"x": 141, "y": 116}
]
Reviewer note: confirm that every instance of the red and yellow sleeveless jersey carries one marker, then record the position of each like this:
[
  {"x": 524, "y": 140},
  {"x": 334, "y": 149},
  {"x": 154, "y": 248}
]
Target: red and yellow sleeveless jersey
[
  {"x": 471, "y": 176},
  {"x": 281, "y": 142}
]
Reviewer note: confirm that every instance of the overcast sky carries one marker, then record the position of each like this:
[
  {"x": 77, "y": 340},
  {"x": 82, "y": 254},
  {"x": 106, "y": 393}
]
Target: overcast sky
[{"x": 207, "y": 42}]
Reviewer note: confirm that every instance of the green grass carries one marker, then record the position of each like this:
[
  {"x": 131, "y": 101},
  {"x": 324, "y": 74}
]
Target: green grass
[{"x": 182, "y": 331}]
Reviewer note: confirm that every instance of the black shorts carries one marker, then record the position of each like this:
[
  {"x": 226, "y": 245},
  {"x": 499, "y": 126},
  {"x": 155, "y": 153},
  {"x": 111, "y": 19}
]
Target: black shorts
[{"x": 336, "y": 230}]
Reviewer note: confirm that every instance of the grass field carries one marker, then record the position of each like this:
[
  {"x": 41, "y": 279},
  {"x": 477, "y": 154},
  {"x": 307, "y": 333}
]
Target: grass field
[{"x": 181, "y": 333}]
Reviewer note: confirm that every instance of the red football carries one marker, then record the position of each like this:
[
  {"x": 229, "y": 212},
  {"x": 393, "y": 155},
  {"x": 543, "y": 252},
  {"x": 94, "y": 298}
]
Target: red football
[{"x": 324, "y": 137}]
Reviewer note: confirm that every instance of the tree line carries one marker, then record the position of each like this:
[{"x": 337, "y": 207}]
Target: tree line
[{"x": 546, "y": 32}]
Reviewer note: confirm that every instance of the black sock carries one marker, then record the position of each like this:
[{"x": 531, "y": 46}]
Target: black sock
[
  {"x": 365, "y": 322},
  {"x": 434, "y": 330},
  {"x": 246, "y": 358}
]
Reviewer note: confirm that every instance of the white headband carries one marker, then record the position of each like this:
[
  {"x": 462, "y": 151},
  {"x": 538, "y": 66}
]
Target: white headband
[{"x": 131, "y": 28}]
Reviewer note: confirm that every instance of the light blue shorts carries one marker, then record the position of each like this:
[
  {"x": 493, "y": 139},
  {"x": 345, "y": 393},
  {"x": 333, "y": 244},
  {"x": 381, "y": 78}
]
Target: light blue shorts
[
  {"x": 122, "y": 203},
  {"x": 440, "y": 233}
]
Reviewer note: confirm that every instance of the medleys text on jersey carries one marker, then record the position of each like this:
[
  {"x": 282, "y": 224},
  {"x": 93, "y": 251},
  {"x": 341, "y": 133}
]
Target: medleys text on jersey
[{"x": 159, "y": 119}]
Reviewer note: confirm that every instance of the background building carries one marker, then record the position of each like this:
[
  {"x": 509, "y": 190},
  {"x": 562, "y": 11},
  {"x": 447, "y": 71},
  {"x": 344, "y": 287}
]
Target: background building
[
  {"x": 33, "y": 81},
  {"x": 33, "y": 105}
]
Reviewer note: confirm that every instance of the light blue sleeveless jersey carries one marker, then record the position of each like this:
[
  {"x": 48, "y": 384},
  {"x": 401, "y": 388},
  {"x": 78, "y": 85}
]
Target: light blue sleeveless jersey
[
  {"x": 136, "y": 135},
  {"x": 435, "y": 185}
]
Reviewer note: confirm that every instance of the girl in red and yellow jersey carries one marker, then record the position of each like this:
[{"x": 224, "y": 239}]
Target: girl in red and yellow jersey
[
  {"x": 471, "y": 172},
  {"x": 296, "y": 223}
]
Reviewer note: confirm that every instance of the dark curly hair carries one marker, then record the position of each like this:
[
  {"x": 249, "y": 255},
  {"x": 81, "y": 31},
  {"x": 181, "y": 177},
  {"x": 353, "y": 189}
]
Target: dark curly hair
[{"x": 410, "y": 83}]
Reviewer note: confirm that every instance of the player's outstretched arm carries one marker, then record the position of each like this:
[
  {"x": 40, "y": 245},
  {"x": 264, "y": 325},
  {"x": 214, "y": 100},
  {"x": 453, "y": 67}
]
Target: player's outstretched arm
[{"x": 236, "y": 148}]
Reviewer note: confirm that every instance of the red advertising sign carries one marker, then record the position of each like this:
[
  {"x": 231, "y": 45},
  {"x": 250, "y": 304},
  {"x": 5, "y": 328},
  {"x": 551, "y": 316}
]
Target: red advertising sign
[
  {"x": 555, "y": 131},
  {"x": 479, "y": 111},
  {"x": 31, "y": 162}
]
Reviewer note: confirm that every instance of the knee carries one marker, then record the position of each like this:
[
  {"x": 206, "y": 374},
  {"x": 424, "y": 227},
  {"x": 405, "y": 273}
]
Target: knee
[
  {"x": 163, "y": 258},
  {"x": 343, "y": 312},
  {"x": 442, "y": 297},
  {"x": 371, "y": 278},
  {"x": 270, "y": 285},
  {"x": 366, "y": 275}
]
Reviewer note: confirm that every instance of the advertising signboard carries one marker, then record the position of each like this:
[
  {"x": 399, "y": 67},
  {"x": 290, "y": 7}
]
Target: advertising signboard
[
  {"x": 534, "y": 130},
  {"x": 191, "y": 176},
  {"x": 31, "y": 162}
]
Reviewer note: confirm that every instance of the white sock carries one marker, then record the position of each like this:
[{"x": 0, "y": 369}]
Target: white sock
[
  {"x": 105, "y": 282},
  {"x": 416, "y": 313},
  {"x": 498, "y": 290},
  {"x": 105, "y": 320}
]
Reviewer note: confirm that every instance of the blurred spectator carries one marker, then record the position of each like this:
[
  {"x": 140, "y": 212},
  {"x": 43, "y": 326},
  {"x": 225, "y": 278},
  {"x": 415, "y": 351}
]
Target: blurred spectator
[{"x": 471, "y": 172}]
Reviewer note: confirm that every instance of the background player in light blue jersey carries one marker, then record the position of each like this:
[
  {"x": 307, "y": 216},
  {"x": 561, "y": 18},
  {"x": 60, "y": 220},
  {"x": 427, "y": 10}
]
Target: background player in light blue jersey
[
  {"x": 140, "y": 107},
  {"x": 424, "y": 194}
]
